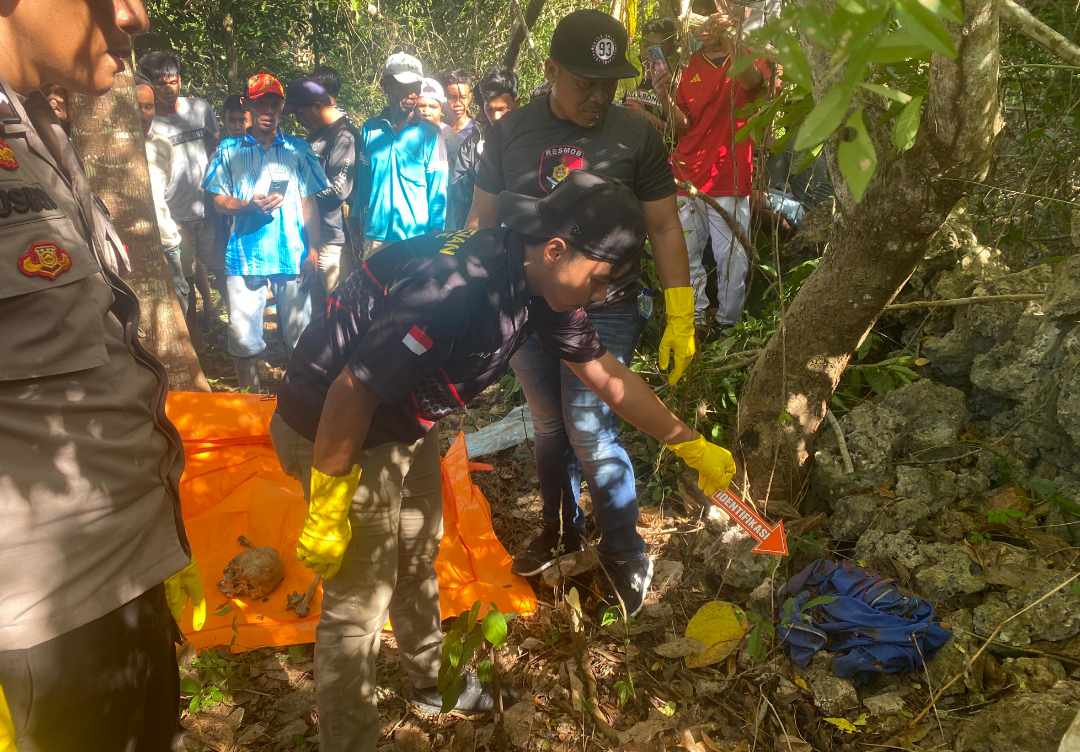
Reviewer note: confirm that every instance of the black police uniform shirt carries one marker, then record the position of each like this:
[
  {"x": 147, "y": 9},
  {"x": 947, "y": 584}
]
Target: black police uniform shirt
[
  {"x": 531, "y": 151},
  {"x": 426, "y": 325},
  {"x": 335, "y": 147}
]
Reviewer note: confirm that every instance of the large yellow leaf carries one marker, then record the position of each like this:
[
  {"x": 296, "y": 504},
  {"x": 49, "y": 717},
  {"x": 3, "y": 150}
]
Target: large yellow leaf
[{"x": 720, "y": 627}]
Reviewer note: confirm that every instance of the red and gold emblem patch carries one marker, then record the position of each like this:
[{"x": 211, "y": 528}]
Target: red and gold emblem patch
[
  {"x": 7, "y": 157},
  {"x": 44, "y": 260},
  {"x": 556, "y": 163}
]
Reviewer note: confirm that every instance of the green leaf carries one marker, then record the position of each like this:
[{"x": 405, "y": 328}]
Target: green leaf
[
  {"x": 793, "y": 58},
  {"x": 898, "y": 47},
  {"x": 454, "y": 654},
  {"x": 857, "y": 157},
  {"x": 449, "y": 640},
  {"x": 1074, "y": 589},
  {"x": 215, "y": 694},
  {"x": 1043, "y": 486},
  {"x": 611, "y": 615},
  {"x": 224, "y": 608},
  {"x": 756, "y": 649},
  {"x": 297, "y": 654},
  {"x": 925, "y": 27},
  {"x": 189, "y": 686},
  {"x": 821, "y": 600},
  {"x": 825, "y": 118},
  {"x": 1014, "y": 513},
  {"x": 948, "y": 9},
  {"x": 494, "y": 627},
  {"x": 448, "y": 674},
  {"x": 472, "y": 642},
  {"x": 907, "y": 125},
  {"x": 298, "y": 739},
  {"x": 484, "y": 671},
  {"x": 193, "y": 706},
  {"x": 885, "y": 91},
  {"x": 451, "y": 694},
  {"x": 474, "y": 614}
]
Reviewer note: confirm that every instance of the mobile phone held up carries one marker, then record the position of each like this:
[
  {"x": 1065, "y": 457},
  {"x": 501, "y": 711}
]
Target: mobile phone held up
[
  {"x": 659, "y": 61},
  {"x": 278, "y": 186}
]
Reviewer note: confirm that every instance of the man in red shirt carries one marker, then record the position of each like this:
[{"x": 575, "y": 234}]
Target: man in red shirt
[{"x": 707, "y": 157}]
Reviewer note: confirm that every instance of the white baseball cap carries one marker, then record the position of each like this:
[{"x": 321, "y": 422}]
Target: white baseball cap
[
  {"x": 433, "y": 89},
  {"x": 405, "y": 68}
]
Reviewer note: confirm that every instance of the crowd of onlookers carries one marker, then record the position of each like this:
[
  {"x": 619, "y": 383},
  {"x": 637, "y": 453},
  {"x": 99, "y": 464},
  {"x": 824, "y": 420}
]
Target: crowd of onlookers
[{"x": 251, "y": 209}]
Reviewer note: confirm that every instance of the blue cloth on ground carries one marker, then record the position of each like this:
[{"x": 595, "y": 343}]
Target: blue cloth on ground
[{"x": 870, "y": 624}]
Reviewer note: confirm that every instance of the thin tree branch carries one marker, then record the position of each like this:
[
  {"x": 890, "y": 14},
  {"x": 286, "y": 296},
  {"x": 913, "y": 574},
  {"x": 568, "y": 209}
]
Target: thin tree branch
[{"x": 1021, "y": 19}]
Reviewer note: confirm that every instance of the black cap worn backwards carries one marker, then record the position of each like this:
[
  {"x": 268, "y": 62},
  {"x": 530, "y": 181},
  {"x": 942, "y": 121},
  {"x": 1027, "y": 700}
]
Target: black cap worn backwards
[
  {"x": 303, "y": 91},
  {"x": 591, "y": 44},
  {"x": 599, "y": 216}
]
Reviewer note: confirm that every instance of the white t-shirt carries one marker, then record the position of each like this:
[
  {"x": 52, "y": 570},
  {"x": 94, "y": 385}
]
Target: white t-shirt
[
  {"x": 193, "y": 121},
  {"x": 159, "y": 156}
]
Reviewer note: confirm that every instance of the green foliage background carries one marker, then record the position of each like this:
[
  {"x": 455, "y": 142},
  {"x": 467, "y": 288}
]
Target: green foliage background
[{"x": 283, "y": 37}]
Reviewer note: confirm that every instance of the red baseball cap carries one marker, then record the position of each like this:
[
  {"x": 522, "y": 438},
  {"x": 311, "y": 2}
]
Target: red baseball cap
[{"x": 262, "y": 84}]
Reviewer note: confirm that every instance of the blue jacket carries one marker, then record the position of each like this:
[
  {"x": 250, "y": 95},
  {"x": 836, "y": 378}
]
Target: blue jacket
[{"x": 401, "y": 184}]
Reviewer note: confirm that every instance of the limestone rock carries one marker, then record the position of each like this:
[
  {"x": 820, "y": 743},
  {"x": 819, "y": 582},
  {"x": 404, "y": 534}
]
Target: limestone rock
[
  {"x": 1063, "y": 297},
  {"x": 951, "y": 577},
  {"x": 1036, "y": 674},
  {"x": 873, "y": 435},
  {"x": 730, "y": 558},
  {"x": 936, "y": 416},
  {"x": 887, "y": 703},
  {"x": 1054, "y": 619},
  {"x": 1024, "y": 721},
  {"x": 901, "y": 547},
  {"x": 834, "y": 696},
  {"x": 933, "y": 486},
  {"x": 853, "y": 515}
]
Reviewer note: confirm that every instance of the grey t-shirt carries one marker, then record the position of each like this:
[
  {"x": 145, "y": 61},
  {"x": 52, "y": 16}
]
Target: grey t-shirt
[
  {"x": 530, "y": 151},
  {"x": 186, "y": 129}
]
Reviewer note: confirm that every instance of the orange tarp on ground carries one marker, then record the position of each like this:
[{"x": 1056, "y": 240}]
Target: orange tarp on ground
[{"x": 233, "y": 486}]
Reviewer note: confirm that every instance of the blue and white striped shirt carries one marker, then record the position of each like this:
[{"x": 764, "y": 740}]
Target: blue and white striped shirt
[{"x": 263, "y": 244}]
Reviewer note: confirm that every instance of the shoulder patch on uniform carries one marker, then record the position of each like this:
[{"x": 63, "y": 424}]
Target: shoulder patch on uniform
[
  {"x": 7, "y": 157},
  {"x": 44, "y": 260},
  {"x": 417, "y": 341}
]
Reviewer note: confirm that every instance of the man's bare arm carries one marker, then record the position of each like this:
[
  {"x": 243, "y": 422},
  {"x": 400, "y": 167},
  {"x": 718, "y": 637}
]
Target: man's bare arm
[
  {"x": 343, "y": 426},
  {"x": 631, "y": 398},
  {"x": 668, "y": 242},
  {"x": 484, "y": 212}
]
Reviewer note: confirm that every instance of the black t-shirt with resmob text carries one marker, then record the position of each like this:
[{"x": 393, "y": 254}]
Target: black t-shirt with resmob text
[
  {"x": 530, "y": 151},
  {"x": 426, "y": 325}
]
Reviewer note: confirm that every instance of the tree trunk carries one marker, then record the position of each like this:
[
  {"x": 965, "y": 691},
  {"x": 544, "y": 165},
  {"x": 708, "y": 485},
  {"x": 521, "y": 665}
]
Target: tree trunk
[
  {"x": 513, "y": 50},
  {"x": 228, "y": 41},
  {"x": 877, "y": 245},
  {"x": 108, "y": 136}
]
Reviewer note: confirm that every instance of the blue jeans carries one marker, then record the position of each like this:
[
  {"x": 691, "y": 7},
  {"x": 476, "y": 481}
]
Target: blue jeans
[
  {"x": 247, "y": 300},
  {"x": 577, "y": 432}
]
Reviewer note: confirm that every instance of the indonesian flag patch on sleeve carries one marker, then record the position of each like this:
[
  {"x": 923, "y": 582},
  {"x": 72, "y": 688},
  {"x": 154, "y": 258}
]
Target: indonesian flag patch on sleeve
[{"x": 417, "y": 341}]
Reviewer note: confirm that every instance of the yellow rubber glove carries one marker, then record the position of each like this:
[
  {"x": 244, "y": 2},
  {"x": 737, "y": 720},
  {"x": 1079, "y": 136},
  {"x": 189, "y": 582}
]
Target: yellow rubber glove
[
  {"x": 327, "y": 531},
  {"x": 183, "y": 586},
  {"x": 679, "y": 333},
  {"x": 7, "y": 726},
  {"x": 715, "y": 465}
]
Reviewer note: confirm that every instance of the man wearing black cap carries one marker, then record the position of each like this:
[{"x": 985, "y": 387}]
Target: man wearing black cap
[
  {"x": 531, "y": 151},
  {"x": 333, "y": 139},
  {"x": 414, "y": 334}
]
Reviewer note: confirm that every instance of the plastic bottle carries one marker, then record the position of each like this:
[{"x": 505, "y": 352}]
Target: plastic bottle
[{"x": 645, "y": 302}]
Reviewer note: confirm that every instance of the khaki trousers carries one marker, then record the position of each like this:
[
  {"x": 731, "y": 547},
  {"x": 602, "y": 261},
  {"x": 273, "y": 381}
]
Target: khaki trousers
[{"x": 388, "y": 571}]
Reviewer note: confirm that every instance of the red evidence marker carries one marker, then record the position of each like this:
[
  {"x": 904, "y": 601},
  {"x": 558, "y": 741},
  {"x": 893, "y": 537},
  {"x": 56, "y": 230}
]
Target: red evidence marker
[{"x": 771, "y": 540}]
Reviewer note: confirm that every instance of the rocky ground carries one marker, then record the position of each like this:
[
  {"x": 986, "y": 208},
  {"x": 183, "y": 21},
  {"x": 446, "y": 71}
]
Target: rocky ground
[{"x": 964, "y": 489}]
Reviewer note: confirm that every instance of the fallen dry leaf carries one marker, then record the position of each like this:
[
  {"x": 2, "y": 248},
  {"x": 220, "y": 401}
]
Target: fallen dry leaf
[{"x": 720, "y": 628}]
